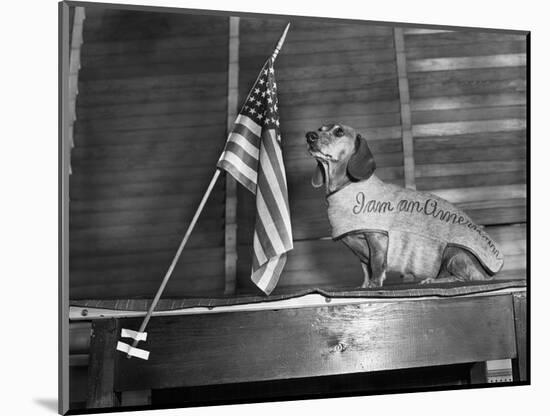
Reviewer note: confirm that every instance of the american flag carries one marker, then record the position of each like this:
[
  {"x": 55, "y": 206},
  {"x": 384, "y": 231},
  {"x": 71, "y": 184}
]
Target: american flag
[{"x": 253, "y": 156}]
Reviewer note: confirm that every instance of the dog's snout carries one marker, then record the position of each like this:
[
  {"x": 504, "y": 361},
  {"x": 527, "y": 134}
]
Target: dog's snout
[{"x": 311, "y": 137}]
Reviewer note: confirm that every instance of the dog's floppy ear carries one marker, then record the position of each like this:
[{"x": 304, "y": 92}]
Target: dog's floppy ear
[
  {"x": 361, "y": 165},
  {"x": 318, "y": 177}
]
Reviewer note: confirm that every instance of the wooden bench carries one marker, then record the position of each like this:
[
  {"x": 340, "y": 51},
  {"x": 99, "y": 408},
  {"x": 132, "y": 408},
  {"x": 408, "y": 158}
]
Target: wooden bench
[{"x": 190, "y": 350}]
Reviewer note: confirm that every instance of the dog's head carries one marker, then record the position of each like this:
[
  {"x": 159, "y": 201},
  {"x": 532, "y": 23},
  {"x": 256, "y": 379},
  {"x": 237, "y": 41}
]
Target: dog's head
[{"x": 342, "y": 155}]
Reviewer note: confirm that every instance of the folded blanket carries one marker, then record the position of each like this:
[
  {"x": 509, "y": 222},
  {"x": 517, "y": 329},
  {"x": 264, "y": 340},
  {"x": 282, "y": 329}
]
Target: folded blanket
[{"x": 415, "y": 222}]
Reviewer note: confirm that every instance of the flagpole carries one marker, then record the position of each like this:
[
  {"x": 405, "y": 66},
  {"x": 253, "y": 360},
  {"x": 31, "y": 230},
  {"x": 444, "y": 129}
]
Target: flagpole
[{"x": 204, "y": 199}]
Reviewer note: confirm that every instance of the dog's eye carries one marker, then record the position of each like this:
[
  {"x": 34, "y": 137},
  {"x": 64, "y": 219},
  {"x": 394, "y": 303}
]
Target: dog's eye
[{"x": 339, "y": 132}]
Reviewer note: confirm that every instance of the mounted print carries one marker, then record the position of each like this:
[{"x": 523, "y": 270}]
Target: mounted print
[{"x": 257, "y": 208}]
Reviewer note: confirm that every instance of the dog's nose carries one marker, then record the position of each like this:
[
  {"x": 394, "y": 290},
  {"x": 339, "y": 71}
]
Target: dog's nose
[{"x": 311, "y": 137}]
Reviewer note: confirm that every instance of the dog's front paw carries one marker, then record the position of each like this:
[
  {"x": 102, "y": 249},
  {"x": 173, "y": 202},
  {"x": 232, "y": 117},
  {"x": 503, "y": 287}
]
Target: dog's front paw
[
  {"x": 427, "y": 281},
  {"x": 370, "y": 284}
]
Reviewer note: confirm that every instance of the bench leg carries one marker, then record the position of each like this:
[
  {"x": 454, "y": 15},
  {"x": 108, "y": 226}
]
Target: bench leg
[
  {"x": 520, "y": 368},
  {"x": 478, "y": 373},
  {"x": 101, "y": 372}
]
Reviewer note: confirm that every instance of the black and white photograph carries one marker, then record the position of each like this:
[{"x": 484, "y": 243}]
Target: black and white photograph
[{"x": 261, "y": 208}]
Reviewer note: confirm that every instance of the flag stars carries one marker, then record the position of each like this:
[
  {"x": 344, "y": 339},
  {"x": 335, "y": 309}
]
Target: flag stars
[
  {"x": 252, "y": 110},
  {"x": 257, "y": 91}
]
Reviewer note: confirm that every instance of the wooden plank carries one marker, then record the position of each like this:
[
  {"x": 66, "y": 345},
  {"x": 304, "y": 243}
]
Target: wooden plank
[
  {"x": 468, "y": 49},
  {"x": 511, "y": 233},
  {"x": 493, "y": 204},
  {"x": 406, "y": 119},
  {"x": 469, "y": 114},
  {"x": 467, "y": 82},
  {"x": 446, "y": 169},
  {"x": 141, "y": 160},
  {"x": 422, "y": 31},
  {"x": 521, "y": 365},
  {"x": 332, "y": 110},
  {"x": 308, "y": 29},
  {"x": 197, "y": 255},
  {"x": 102, "y": 152},
  {"x": 481, "y": 193},
  {"x": 138, "y": 203},
  {"x": 131, "y": 123},
  {"x": 184, "y": 186},
  {"x": 511, "y": 274},
  {"x": 183, "y": 286},
  {"x": 339, "y": 83},
  {"x": 131, "y": 26},
  {"x": 448, "y": 64},
  {"x": 327, "y": 57},
  {"x": 499, "y": 215},
  {"x": 466, "y": 181},
  {"x": 470, "y": 154},
  {"x": 182, "y": 67},
  {"x": 88, "y": 232},
  {"x": 160, "y": 135},
  {"x": 101, "y": 373},
  {"x": 319, "y": 341},
  {"x": 467, "y": 127},
  {"x": 230, "y": 183},
  {"x": 110, "y": 47},
  {"x": 195, "y": 173},
  {"x": 495, "y": 139},
  {"x": 461, "y": 36},
  {"x": 133, "y": 275},
  {"x": 206, "y": 80},
  {"x": 469, "y": 101},
  {"x": 154, "y": 56},
  {"x": 151, "y": 107},
  {"x": 144, "y": 244},
  {"x": 325, "y": 71},
  {"x": 294, "y": 47}
]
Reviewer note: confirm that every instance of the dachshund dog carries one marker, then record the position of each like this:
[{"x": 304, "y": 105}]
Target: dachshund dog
[{"x": 393, "y": 229}]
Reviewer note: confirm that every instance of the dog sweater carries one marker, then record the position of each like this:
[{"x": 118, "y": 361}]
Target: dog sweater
[{"x": 419, "y": 226}]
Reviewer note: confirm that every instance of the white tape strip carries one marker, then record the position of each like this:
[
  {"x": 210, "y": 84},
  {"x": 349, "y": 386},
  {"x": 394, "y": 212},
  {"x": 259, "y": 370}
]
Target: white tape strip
[
  {"x": 134, "y": 352},
  {"x": 138, "y": 336}
]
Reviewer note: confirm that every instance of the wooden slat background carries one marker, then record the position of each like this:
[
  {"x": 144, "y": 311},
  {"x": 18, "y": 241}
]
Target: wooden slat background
[
  {"x": 151, "y": 122},
  {"x": 151, "y": 118}
]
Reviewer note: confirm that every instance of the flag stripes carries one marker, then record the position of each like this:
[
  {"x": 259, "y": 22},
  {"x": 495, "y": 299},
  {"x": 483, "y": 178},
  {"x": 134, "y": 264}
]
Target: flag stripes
[{"x": 253, "y": 156}]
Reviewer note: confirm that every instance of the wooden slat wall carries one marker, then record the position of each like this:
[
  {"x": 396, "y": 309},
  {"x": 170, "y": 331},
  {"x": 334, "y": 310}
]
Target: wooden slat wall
[
  {"x": 343, "y": 74},
  {"x": 151, "y": 123},
  {"x": 468, "y": 104},
  {"x": 145, "y": 149}
]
